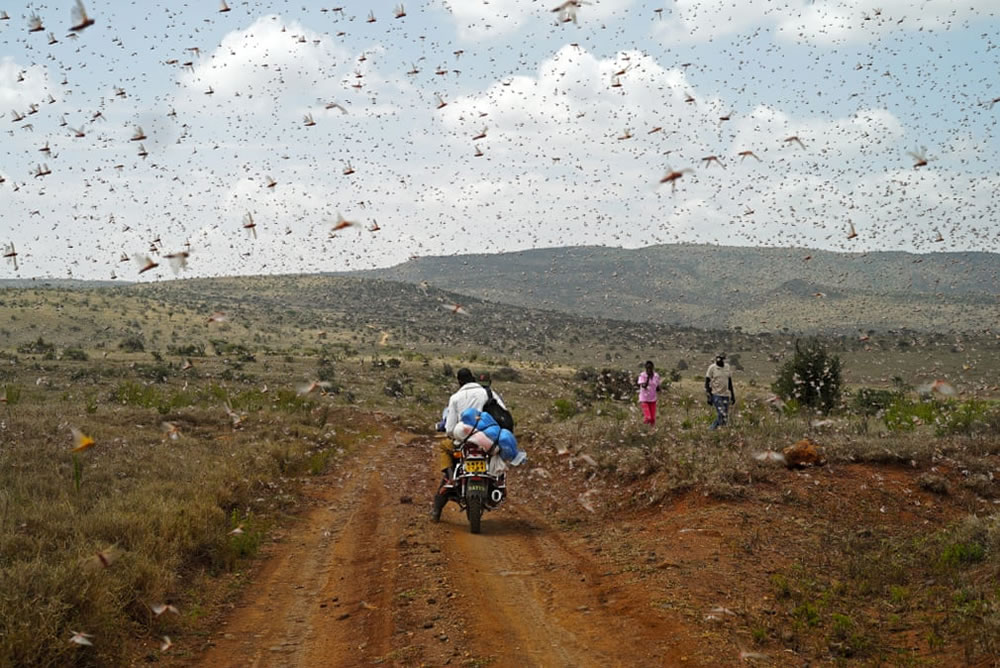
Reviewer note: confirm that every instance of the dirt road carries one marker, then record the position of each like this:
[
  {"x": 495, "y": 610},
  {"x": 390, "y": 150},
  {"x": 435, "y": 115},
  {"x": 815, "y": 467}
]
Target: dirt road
[
  {"x": 367, "y": 578},
  {"x": 556, "y": 578}
]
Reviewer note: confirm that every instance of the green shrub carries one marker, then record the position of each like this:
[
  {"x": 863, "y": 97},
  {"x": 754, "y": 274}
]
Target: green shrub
[
  {"x": 615, "y": 384},
  {"x": 842, "y": 626},
  {"x": 968, "y": 418},
  {"x": 288, "y": 401},
  {"x": 12, "y": 394},
  {"x": 325, "y": 371},
  {"x": 898, "y": 595},
  {"x": 318, "y": 462},
  {"x": 189, "y": 350},
  {"x": 239, "y": 351},
  {"x": 132, "y": 343},
  {"x": 870, "y": 401},
  {"x": 961, "y": 553},
  {"x": 396, "y": 387},
  {"x": 38, "y": 347},
  {"x": 244, "y": 543},
  {"x": 75, "y": 354},
  {"x": 934, "y": 483},
  {"x": 131, "y": 393},
  {"x": 845, "y": 640},
  {"x": 782, "y": 588},
  {"x": 905, "y": 415},
  {"x": 807, "y": 613},
  {"x": 564, "y": 409},
  {"x": 812, "y": 377},
  {"x": 506, "y": 374}
]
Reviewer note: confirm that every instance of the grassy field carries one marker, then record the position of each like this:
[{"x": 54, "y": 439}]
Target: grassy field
[{"x": 202, "y": 441}]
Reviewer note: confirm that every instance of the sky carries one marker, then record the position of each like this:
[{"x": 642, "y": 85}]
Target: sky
[{"x": 468, "y": 126}]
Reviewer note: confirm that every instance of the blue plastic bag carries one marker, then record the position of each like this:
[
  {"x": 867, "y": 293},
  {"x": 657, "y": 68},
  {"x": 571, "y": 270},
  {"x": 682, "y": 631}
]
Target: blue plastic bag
[
  {"x": 508, "y": 445},
  {"x": 485, "y": 423}
]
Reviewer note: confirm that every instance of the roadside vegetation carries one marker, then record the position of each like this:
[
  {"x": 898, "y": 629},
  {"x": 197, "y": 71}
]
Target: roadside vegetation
[{"x": 203, "y": 440}]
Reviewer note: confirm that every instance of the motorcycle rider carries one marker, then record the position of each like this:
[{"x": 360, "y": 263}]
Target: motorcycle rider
[
  {"x": 470, "y": 394},
  {"x": 474, "y": 395}
]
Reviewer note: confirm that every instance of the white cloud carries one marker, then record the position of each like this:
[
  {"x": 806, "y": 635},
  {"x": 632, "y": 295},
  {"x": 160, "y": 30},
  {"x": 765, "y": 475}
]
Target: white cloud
[
  {"x": 555, "y": 154},
  {"x": 555, "y": 168},
  {"x": 702, "y": 20},
  {"x": 571, "y": 108},
  {"x": 269, "y": 59},
  {"x": 843, "y": 21},
  {"x": 22, "y": 85},
  {"x": 823, "y": 22},
  {"x": 769, "y": 131},
  {"x": 476, "y": 20}
]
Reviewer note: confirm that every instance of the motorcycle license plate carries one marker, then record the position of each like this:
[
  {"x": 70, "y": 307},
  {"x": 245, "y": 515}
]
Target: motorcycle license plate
[{"x": 475, "y": 466}]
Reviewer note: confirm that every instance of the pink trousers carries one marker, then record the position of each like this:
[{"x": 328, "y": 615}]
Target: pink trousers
[{"x": 648, "y": 411}]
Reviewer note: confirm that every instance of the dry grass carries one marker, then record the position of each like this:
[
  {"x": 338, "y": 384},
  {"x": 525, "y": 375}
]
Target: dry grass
[
  {"x": 867, "y": 585},
  {"x": 160, "y": 510},
  {"x": 166, "y": 508}
]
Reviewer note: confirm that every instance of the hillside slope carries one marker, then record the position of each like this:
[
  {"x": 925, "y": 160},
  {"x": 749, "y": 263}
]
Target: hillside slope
[{"x": 758, "y": 289}]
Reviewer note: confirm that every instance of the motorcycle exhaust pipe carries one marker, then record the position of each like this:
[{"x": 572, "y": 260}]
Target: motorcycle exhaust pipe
[{"x": 496, "y": 495}]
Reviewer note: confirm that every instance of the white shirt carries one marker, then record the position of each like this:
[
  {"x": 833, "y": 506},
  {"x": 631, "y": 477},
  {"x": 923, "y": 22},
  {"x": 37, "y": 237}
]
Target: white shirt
[
  {"x": 470, "y": 395},
  {"x": 719, "y": 377}
]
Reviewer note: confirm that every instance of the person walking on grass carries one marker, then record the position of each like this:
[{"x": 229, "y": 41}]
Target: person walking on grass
[
  {"x": 649, "y": 387},
  {"x": 719, "y": 388}
]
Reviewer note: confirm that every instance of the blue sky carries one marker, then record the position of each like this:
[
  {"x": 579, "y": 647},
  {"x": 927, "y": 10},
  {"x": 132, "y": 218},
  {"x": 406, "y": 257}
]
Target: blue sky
[{"x": 571, "y": 154}]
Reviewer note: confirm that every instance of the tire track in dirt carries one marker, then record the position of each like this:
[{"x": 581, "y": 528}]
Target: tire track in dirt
[
  {"x": 324, "y": 598},
  {"x": 548, "y": 603},
  {"x": 364, "y": 565},
  {"x": 369, "y": 579}
]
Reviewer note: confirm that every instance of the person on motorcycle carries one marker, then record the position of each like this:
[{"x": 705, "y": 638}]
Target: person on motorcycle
[
  {"x": 470, "y": 394},
  {"x": 479, "y": 493}
]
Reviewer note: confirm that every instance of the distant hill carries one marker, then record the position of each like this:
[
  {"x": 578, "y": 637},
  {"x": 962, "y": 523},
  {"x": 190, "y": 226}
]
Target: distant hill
[
  {"x": 341, "y": 317},
  {"x": 370, "y": 311},
  {"x": 719, "y": 287},
  {"x": 65, "y": 283},
  {"x": 311, "y": 313}
]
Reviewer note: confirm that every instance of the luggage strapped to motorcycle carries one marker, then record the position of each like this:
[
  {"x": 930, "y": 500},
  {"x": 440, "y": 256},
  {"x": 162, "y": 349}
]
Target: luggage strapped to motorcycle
[{"x": 494, "y": 444}]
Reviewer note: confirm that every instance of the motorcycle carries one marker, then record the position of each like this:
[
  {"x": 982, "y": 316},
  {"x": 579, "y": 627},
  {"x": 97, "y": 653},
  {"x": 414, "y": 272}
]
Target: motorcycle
[{"x": 471, "y": 485}]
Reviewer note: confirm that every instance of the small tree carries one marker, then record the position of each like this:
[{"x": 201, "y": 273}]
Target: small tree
[
  {"x": 132, "y": 343},
  {"x": 617, "y": 384},
  {"x": 325, "y": 370},
  {"x": 811, "y": 377}
]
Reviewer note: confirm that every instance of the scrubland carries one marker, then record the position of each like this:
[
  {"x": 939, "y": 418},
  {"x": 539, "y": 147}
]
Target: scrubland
[{"x": 200, "y": 450}]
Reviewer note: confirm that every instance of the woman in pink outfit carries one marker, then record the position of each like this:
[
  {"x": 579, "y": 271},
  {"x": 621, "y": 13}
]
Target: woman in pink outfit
[{"x": 649, "y": 387}]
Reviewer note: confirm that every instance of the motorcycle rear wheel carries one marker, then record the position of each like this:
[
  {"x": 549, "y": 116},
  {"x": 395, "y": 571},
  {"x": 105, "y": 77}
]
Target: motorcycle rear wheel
[{"x": 475, "y": 512}]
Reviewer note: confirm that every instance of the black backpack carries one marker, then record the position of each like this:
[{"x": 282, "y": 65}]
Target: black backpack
[{"x": 499, "y": 413}]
